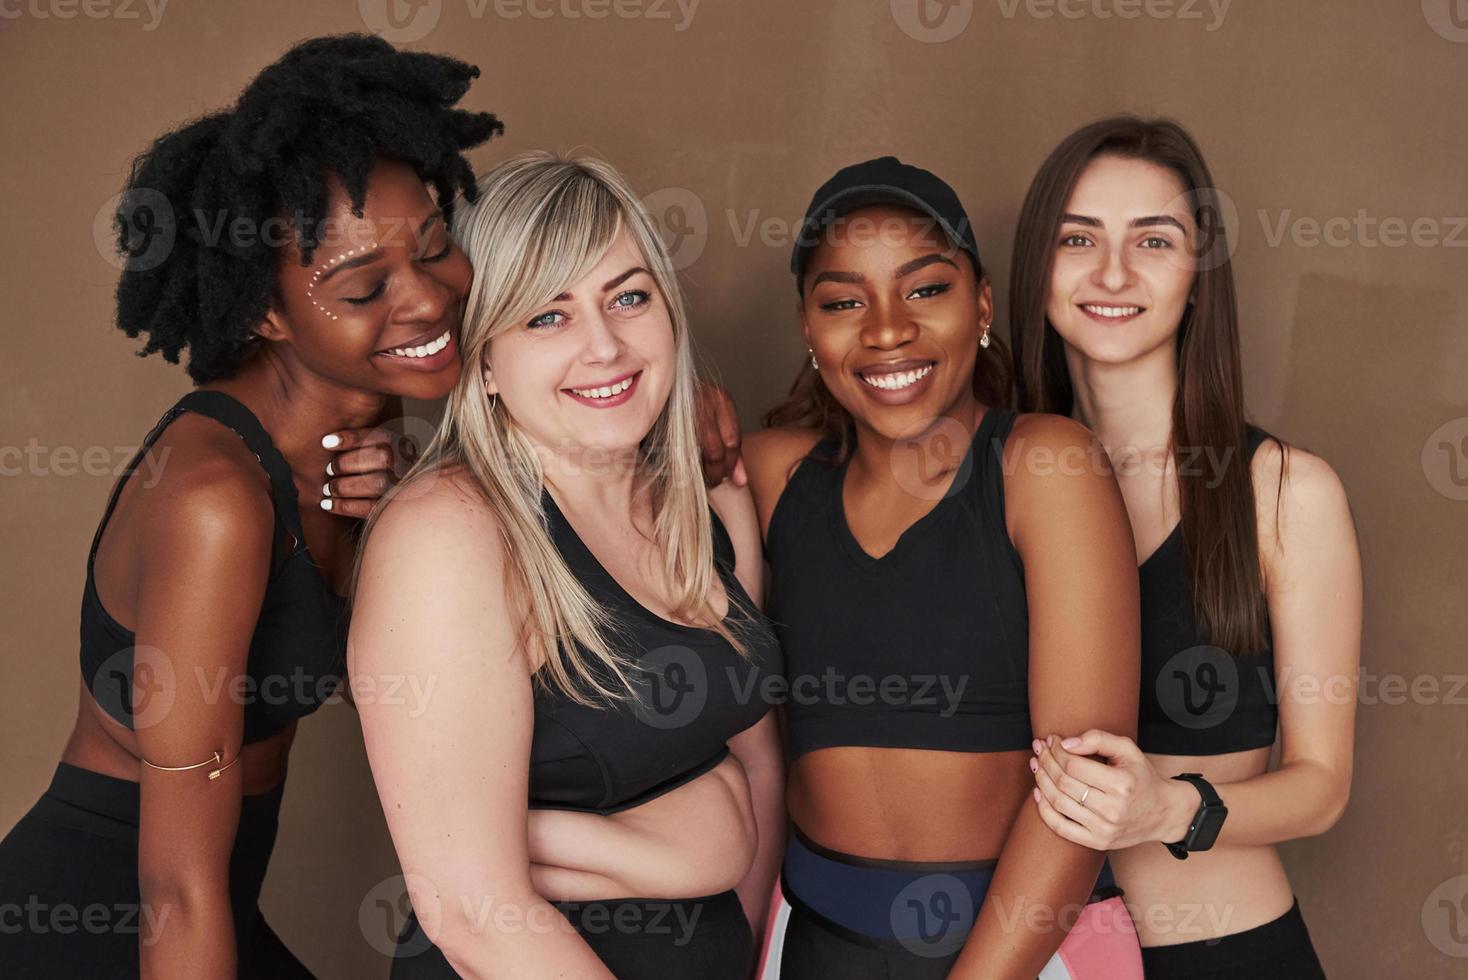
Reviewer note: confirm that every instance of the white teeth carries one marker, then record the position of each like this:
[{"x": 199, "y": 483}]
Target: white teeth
[
  {"x": 605, "y": 391},
  {"x": 1115, "y": 311},
  {"x": 898, "y": 381},
  {"x": 423, "y": 350}
]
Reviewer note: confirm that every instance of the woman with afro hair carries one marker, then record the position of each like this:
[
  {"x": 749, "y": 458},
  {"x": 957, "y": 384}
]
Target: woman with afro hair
[{"x": 296, "y": 247}]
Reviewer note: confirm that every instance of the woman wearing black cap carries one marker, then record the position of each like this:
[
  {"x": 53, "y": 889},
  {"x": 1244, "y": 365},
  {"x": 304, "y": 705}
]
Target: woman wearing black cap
[
  {"x": 949, "y": 580},
  {"x": 296, "y": 247},
  {"x": 1125, "y": 318}
]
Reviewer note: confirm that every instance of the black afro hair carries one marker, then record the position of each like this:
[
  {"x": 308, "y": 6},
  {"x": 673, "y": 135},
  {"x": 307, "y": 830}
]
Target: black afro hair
[{"x": 331, "y": 106}]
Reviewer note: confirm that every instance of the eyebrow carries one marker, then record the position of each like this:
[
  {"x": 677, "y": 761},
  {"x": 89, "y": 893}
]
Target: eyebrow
[
  {"x": 610, "y": 284},
  {"x": 374, "y": 255},
  {"x": 1149, "y": 221},
  {"x": 905, "y": 269}
]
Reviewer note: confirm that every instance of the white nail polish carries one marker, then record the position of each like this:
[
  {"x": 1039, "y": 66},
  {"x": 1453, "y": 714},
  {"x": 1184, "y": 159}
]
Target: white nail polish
[
  {"x": 331, "y": 441},
  {"x": 329, "y": 470},
  {"x": 326, "y": 504},
  {"x": 326, "y": 489}
]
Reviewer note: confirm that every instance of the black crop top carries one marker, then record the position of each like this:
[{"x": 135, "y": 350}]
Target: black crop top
[
  {"x": 695, "y": 692},
  {"x": 295, "y": 657},
  {"x": 926, "y": 647},
  {"x": 1197, "y": 699}
]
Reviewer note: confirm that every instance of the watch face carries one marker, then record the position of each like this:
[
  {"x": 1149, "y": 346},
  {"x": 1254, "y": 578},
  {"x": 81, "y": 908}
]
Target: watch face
[{"x": 1209, "y": 824}]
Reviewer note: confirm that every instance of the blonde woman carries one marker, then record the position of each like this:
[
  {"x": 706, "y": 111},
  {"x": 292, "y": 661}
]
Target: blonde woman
[{"x": 555, "y": 566}]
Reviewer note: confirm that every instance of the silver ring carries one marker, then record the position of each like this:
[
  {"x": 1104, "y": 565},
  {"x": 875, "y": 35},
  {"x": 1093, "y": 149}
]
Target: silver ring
[{"x": 1087, "y": 793}]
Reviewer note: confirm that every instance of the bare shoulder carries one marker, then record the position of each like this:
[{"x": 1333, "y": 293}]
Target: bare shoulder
[
  {"x": 432, "y": 517},
  {"x": 206, "y": 490},
  {"x": 770, "y": 456},
  {"x": 1050, "y": 451},
  {"x": 1297, "y": 494}
]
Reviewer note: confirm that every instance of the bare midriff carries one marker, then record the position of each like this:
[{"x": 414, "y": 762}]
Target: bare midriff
[{"x": 908, "y": 804}]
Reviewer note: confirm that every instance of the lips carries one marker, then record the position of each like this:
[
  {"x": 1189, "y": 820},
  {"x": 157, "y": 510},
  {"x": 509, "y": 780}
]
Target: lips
[
  {"x": 607, "y": 393},
  {"x": 1111, "y": 312},
  {"x": 425, "y": 344},
  {"x": 895, "y": 375}
]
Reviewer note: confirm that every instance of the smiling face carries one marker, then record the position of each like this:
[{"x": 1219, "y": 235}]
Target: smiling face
[
  {"x": 894, "y": 319},
  {"x": 593, "y": 368},
  {"x": 378, "y": 309},
  {"x": 1124, "y": 264}
]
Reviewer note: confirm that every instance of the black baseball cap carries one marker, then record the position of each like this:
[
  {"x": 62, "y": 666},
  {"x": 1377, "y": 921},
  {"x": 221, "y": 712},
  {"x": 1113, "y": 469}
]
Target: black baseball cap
[{"x": 883, "y": 180}]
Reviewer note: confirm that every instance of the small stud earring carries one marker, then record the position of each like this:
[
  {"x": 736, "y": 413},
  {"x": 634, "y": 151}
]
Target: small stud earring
[{"x": 813, "y": 362}]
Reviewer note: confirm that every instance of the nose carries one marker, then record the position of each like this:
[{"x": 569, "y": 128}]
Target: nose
[
  {"x": 1113, "y": 272},
  {"x": 603, "y": 346},
  {"x": 425, "y": 298},
  {"x": 887, "y": 326}
]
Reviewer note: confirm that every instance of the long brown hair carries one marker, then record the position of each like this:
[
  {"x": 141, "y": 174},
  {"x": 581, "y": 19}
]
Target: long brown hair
[
  {"x": 1219, "y": 531},
  {"x": 809, "y": 403}
]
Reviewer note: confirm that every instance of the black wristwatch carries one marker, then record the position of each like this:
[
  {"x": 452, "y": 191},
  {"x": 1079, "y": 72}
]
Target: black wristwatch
[{"x": 1207, "y": 822}]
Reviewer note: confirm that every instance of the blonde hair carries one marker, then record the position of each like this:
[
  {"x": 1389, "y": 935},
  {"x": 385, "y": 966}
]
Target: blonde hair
[{"x": 541, "y": 223}]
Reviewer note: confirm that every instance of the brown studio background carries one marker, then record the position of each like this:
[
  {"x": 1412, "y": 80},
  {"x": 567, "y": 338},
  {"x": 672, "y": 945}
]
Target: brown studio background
[{"x": 1306, "y": 110}]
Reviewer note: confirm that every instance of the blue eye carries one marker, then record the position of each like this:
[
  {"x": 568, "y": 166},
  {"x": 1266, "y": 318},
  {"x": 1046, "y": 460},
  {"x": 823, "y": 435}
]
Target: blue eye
[
  {"x": 546, "y": 320},
  {"x": 631, "y": 299}
]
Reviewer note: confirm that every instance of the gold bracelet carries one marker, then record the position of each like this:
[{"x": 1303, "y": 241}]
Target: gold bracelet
[{"x": 215, "y": 760}]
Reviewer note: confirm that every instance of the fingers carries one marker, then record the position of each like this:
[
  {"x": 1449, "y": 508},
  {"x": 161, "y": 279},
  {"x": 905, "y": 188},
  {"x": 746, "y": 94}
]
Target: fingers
[
  {"x": 346, "y": 439},
  {"x": 1097, "y": 742},
  {"x": 1068, "y": 829},
  {"x": 727, "y": 418},
  {"x": 1045, "y": 765},
  {"x": 368, "y": 485},
  {"x": 371, "y": 458},
  {"x": 355, "y": 508},
  {"x": 1096, "y": 827},
  {"x": 1089, "y": 771},
  {"x": 741, "y": 475}
]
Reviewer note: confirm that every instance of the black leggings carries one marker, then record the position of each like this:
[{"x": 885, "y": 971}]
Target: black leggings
[
  {"x": 69, "y": 899},
  {"x": 1278, "y": 950},
  {"x": 637, "y": 938}
]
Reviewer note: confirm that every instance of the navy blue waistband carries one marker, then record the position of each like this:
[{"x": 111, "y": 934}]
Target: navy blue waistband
[{"x": 909, "y": 902}]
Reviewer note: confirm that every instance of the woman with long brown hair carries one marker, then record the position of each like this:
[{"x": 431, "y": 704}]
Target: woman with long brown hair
[{"x": 1125, "y": 318}]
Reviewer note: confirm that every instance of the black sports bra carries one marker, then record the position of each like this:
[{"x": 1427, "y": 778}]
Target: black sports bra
[
  {"x": 695, "y": 692},
  {"x": 1197, "y": 699},
  {"x": 296, "y": 653},
  {"x": 926, "y": 647}
]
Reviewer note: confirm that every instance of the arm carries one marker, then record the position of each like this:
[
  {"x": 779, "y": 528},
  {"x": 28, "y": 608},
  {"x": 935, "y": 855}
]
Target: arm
[
  {"x": 1313, "y": 580},
  {"x": 454, "y": 779},
  {"x": 204, "y": 570},
  {"x": 758, "y": 747},
  {"x": 1071, "y": 529}
]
